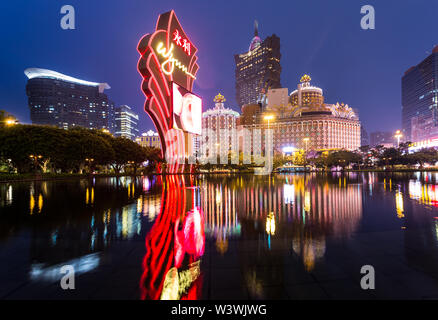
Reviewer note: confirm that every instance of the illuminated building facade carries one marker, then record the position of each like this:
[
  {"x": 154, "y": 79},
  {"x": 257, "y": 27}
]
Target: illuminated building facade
[
  {"x": 149, "y": 139},
  {"x": 218, "y": 128},
  {"x": 308, "y": 123},
  {"x": 258, "y": 69},
  {"x": 420, "y": 100},
  {"x": 126, "y": 122},
  {"x": 66, "y": 102}
]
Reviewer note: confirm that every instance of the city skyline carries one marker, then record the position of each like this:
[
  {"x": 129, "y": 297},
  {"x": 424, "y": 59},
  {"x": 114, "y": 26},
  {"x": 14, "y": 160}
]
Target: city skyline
[{"x": 360, "y": 67}]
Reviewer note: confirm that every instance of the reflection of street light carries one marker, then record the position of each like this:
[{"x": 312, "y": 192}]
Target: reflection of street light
[
  {"x": 270, "y": 224},
  {"x": 398, "y": 135}
]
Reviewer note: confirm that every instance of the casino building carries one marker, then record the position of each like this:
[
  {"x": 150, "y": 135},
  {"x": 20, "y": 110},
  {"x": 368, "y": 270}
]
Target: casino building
[
  {"x": 215, "y": 139},
  {"x": 258, "y": 69},
  {"x": 63, "y": 101},
  {"x": 149, "y": 139},
  {"x": 307, "y": 122}
]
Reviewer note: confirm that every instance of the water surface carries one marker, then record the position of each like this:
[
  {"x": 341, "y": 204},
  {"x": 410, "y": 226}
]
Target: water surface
[{"x": 302, "y": 236}]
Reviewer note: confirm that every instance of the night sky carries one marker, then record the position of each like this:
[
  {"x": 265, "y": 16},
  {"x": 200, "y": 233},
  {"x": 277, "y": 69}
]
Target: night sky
[{"x": 321, "y": 38}]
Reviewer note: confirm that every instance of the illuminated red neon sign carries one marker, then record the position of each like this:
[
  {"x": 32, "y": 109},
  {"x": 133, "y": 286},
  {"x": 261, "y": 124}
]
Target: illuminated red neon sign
[
  {"x": 167, "y": 57},
  {"x": 179, "y": 40}
]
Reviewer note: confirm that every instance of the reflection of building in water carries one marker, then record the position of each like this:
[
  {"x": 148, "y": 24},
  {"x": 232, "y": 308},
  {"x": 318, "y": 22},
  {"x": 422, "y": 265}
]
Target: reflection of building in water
[
  {"x": 302, "y": 199},
  {"x": 399, "y": 204},
  {"x": 424, "y": 193},
  {"x": 218, "y": 201}
]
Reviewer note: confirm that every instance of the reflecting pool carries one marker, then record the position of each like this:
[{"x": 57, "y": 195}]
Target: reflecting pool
[{"x": 302, "y": 236}]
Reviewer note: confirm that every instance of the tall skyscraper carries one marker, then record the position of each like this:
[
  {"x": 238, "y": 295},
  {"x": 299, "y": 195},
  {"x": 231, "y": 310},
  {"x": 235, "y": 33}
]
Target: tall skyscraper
[
  {"x": 63, "y": 101},
  {"x": 420, "y": 100},
  {"x": 126, "y": 122},
  {"x": 258, "y": 69}
]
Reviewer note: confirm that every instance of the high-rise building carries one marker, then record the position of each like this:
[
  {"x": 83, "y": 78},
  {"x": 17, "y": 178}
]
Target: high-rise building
[
  {"x": 420, "y": 100},
  {"x": 258, "y": 69},
  {"x": 385, "y": 139},
  {"x": 126, "y": 122},
  {"x": 63, "y": 101},
  {"x": 149, "y": 139},
  {"x": 218, "y": 129},
  {"x": 306, "y": 122}
]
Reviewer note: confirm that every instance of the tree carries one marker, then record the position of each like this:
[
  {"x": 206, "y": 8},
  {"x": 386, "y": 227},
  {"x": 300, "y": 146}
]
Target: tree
[
  {"x": 390, "y": 156},
  {"x": 426, "y": 155},
  {"x": 343, "y": 158}
]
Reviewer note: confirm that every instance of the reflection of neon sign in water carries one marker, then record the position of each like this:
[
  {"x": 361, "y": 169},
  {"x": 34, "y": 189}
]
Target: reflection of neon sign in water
[
  {"x": 176, "y": 283},
  {"x": 173, "y": 246}
]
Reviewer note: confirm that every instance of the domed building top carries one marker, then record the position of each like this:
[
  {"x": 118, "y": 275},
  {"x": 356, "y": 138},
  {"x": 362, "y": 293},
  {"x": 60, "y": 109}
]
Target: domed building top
[
  {"x": 309, "y": 100},
  {"x": 219, "y": 108},
  {"x": 305, "y": 78},
  {"x": 219, "y": 98}
]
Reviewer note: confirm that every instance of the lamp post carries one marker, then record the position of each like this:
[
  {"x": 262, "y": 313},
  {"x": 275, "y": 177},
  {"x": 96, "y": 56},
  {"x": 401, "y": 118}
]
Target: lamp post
[
  {"x": 10, "y": 122},
  {"x": 398, "y": 135},
  {"x": 35, "y": 159},
  {"x": 89, "y": 162}
]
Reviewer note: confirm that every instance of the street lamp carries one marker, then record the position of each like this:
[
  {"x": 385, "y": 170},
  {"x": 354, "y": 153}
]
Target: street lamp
[
  {"x": 268, "y": 118},
  {"x": 306, "y": 140},
  {"x": 35, "y": 159},
  {"x": 10, "y": 122},
  {"x": 398, "y": 135}
]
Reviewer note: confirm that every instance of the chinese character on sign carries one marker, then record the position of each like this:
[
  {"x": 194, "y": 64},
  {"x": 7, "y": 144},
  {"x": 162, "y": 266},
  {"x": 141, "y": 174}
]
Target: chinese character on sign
[{"x": 185, "y": 44}]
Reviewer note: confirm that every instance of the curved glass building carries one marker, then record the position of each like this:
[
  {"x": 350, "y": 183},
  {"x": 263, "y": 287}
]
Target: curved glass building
[{"x": 63, "y": 101}]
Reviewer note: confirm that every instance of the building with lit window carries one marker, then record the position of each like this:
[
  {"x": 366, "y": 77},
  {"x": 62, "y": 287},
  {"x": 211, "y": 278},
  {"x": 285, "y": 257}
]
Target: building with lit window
[
  {"x": 149, "y": 139},
  {"x": 307, "y": 123},
  {"x": 218, "y": 129},
  {"x": 420, "y": 100},
  {"x": 66, "y": 102},
  {"x": 126, "y": 122},
  {"x": 258, "y": 69}
]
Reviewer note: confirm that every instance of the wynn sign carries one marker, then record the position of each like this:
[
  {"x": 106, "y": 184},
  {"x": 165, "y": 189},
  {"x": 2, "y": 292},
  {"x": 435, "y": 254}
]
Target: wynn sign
[{"x": 168, "y": 67}]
